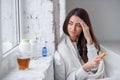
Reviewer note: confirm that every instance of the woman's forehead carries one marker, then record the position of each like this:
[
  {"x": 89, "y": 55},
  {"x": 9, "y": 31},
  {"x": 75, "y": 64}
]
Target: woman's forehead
[{"x": 75, "y": 18}]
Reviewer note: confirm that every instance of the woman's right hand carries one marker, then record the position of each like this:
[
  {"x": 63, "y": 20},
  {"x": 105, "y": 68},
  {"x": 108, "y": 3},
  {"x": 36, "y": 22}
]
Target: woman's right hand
[
  {"x": 94, "y": 63},
  {"x": 86, "y": 32}
]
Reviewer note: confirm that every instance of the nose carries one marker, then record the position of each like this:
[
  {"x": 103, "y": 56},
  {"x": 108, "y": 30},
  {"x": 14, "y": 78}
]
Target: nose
[{"x": 73, "y": 28}]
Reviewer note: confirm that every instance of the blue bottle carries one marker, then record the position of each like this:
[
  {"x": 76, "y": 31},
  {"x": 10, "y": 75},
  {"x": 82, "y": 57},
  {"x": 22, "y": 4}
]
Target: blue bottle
[{"x": 44, "y": 50}]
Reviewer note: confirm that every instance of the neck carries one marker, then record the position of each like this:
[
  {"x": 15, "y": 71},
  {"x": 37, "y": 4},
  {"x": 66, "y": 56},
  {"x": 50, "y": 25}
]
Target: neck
[{"x": 74, "y": 39}]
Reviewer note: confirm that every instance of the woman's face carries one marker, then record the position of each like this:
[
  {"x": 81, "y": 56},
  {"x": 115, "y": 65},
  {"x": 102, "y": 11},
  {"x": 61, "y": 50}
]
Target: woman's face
[{"x": 74, "y": 27}]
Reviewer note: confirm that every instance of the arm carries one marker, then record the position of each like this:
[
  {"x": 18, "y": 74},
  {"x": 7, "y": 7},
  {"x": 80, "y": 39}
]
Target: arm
[
  {"x": 97, "y": 67},
  {"x": 82, "y": 73},
  {"x": 59, "y": 68},
  {"x": 92, "y": 51},
  {"x": 93, "y": 61}
]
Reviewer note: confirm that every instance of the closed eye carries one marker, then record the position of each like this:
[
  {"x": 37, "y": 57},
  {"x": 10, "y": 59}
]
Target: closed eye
[
  {"x": 77, "y": 25},
  {"x": 70, "y": 23}
]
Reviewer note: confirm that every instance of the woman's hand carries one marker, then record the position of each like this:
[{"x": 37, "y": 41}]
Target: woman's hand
[
  {"x": 94, "y": 63},
  {"x": 86, "y": 32}
]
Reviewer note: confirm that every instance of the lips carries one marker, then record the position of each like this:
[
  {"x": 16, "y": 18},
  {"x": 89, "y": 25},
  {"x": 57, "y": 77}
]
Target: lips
[{"x": 73, "y": 32}]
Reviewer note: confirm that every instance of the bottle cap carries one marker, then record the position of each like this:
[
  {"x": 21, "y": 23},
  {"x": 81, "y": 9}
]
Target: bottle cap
[{"x": 25, "y": 40}]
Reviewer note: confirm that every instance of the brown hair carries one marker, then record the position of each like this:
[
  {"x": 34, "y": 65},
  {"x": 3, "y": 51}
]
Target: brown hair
[{"x": 82, "y": 48}]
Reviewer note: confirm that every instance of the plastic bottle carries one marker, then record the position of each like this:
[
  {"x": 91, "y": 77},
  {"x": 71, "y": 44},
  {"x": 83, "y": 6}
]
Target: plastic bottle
[
  {"x": 44, "y": 50},
  {"x": 34, "y": 47},
  {"x": 25, "y": 48}
]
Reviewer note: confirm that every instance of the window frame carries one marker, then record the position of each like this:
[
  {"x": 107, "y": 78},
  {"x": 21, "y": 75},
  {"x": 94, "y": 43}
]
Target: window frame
[{"x": 0, "y": 37}]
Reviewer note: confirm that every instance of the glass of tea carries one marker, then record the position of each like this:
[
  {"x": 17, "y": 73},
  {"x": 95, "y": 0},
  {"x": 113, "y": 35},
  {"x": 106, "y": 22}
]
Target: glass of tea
[{"x": 23, "y": 63}]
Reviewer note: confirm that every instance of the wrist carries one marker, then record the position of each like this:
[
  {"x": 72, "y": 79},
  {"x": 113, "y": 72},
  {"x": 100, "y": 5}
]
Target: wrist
[
  {"x": 89, "y": 42},
  {"x": 86, "y": 67}
]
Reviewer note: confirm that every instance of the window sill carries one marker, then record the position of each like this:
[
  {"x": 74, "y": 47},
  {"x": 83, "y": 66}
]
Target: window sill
[{"x": 41, "y": 68}]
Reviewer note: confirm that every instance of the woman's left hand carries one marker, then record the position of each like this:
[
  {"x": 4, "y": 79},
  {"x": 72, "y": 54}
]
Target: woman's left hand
[
  {"x": 86, "y": 32},
  {"x": 92, "y": 64}
]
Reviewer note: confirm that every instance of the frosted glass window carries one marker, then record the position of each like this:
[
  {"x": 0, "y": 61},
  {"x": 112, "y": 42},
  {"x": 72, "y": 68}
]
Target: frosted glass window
[{"x": 9, "y": 25}]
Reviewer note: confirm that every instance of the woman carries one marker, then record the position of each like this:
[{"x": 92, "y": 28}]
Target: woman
[{"x": 76, "y": 57}]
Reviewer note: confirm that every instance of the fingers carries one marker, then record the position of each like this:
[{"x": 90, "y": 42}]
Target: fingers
[
  {"x": 85, "y": 28},
  {"x": 95, "y": 62},
  {"x": 83, "y": 24},
  {"x": 98, "y": 58}
]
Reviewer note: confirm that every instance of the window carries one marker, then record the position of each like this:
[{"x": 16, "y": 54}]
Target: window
[{"x": 9, "y": 24}]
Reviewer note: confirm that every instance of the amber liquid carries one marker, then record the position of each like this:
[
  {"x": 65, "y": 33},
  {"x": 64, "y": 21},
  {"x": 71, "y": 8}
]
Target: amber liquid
[{"x": 23, "y": 63}]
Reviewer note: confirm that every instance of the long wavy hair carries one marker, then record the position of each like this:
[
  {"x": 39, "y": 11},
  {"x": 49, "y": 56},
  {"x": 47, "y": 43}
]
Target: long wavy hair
[{"x": 82, "y": 43}]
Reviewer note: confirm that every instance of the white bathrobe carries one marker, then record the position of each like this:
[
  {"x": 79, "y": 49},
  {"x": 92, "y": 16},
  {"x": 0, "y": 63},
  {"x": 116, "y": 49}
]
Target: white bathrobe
[{"x": 68, "y": 66}]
